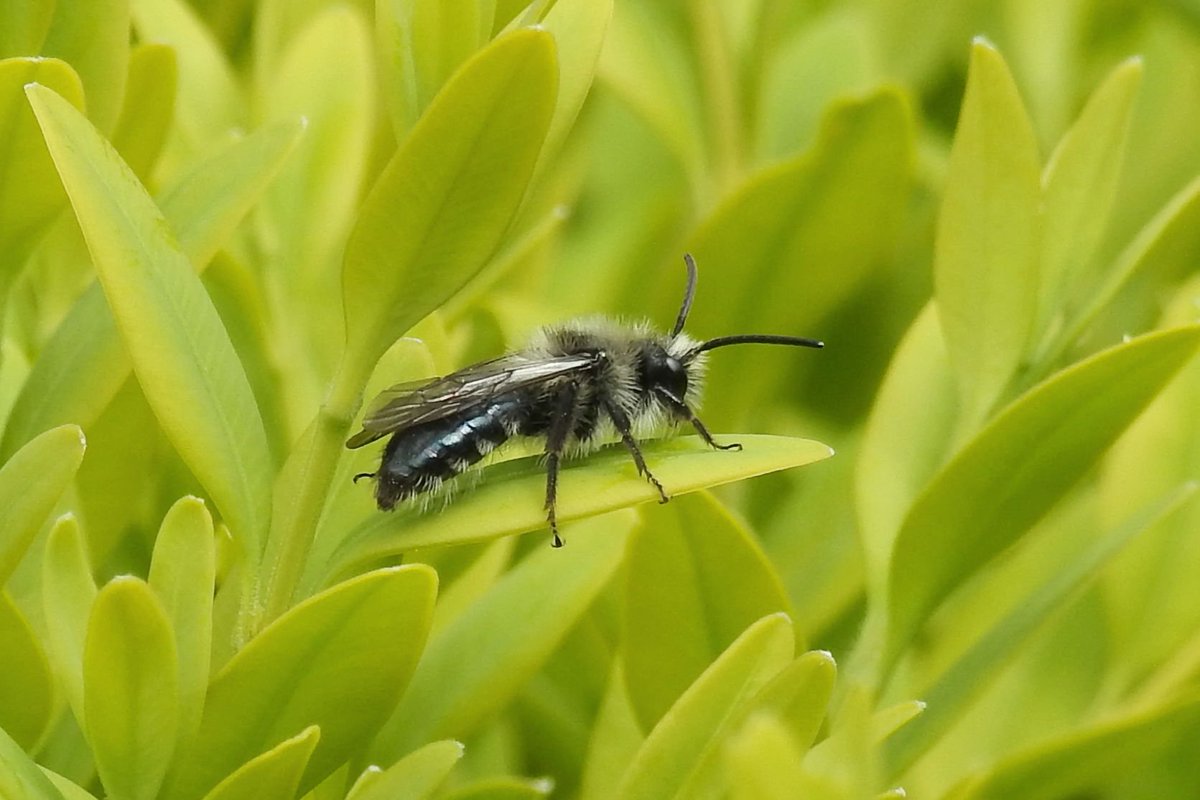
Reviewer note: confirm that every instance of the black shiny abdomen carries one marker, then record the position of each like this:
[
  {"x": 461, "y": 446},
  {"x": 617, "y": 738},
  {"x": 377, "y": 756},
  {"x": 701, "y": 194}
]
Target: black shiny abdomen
[{"x": 419, "y": 459}]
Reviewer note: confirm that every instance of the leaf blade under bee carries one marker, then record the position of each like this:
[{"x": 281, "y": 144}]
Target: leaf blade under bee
[{"x": 509, "y": 498}]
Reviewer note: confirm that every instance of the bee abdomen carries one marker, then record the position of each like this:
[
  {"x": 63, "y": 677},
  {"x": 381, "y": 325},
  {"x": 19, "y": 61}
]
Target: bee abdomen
[{"x": 420, "y": 459}]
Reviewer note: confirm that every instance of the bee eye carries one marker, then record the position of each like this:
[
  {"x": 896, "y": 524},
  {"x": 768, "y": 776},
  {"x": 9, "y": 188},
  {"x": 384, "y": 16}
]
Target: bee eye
[{"x": 667, "y": 372}]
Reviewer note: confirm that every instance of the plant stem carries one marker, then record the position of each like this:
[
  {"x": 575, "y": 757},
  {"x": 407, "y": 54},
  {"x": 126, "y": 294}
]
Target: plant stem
[{"x": 301, "y": 492}]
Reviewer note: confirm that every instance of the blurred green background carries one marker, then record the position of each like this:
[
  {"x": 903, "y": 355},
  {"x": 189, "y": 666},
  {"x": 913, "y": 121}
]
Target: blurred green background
[{"x": 975, "y": 542}]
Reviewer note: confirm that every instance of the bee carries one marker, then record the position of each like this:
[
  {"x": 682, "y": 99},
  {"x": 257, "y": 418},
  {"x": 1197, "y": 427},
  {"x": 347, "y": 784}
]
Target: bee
[{"x": 576, "y": 386}]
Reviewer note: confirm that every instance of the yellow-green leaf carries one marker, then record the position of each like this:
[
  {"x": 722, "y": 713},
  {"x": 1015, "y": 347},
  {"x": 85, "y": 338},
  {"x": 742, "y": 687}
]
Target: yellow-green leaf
[
  {"x": 68, "y": 592},
  {"x": 339, "y": 660},
  {"x": 986, "y": 251},
  {"x": 1014, "y": 470},
  {"x": 93, "y": 37},
  {"x": 27, "y": 690},
  {"x": 30, "y": 484},
  {"x": 275, "y": 773},
  {"x": 181, "y": 353},
  {"x": 20, "y": 777},
  {"x": 413, "y": 777},
  {"x": 130, "y": 689},
  {"x": 511, "y": 496},
  {"x": 694, "y": 580}
]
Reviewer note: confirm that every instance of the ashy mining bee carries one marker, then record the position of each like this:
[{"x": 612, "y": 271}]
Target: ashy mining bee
[{"x": 576, "y": 385}]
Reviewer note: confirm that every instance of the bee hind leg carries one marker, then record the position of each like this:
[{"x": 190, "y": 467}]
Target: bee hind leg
[
  {"x": 556, "y": 440},
  {"x": 621, "y": 423}
]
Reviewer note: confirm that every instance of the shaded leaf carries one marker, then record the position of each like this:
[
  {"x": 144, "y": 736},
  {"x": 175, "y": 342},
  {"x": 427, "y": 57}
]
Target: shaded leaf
[
  {"x": 27, "y": 691},
  {"x": 1014, "y": 470},
  {"x": 667, "y": 761},
  {"x": 477, "y": 663},
  {"x": 30, "y": 484},
  {"x": 20, "y": 777},
  {"x": 93, "y": 37},
  {"x": 149, "y": 108},
  {"x": 440, "y": 207},
  {"x": 694, "y": 580}
]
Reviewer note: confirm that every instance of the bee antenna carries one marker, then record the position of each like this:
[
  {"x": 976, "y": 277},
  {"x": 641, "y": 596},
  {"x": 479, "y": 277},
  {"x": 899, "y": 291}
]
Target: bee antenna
[
  {"x": 688, "y": 295},
  {"x": 757, "y": 338}
]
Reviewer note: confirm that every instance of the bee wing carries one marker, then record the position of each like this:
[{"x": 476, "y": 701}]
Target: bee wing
[{"x": 414, "y": 403}]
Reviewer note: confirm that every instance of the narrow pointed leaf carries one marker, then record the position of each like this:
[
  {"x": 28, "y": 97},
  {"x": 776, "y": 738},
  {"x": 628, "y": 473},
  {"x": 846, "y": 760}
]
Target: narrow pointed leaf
[
  {"x": 1085, "y": 761},
  {"x": 1014, "y": 470},
  {"x": 969, "y": 676},
  {"x": 694, "y": 580},
  {"x": 413, "y": 777},
  {"x": 672, "y": 752},
  {"x": 20, "y": 777},
  {"x": 149, "y": 108},
  {"x": 30, "y": 484},
  {"x": 1080, "y": 187},
  {"x": 93, "y": 37},
  {"x": 985, "y": 262},
  {"x": 68, "y": 594},
  {"x": 475, "y": 665},
  {"x": 616, "y": 739},
  {"x": 182, "y": 572},
  {"x": 69, "y": 789},
  {"x": 130, "y": 689},
  {"x": 30, "y": 194},
  {"x": 275, "y": 773},
  {"x": 763, "y": 761},
  {"x": 440, "y": 207},
  {"x": 182, "y": 355},
  {"x": 509, "y": 499},
  {"x": 339, "y": 660},
  {"x": 27, "y": 690},
  {"x": 85, "y": 363}
]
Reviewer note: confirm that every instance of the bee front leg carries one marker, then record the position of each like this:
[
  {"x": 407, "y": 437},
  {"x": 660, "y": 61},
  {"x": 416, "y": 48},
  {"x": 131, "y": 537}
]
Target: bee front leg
[
  {"x": 556, "y": 439},
  {"x": 681, "y": 408},
  {"x": 621, "y": 422}
]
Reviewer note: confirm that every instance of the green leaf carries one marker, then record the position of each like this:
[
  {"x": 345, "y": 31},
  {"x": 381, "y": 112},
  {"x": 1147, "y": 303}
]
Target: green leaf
[
  {"x": 83, "y": 366},
  {"x": 510, "y": 498},
  {"x": 503, "y": 788},
  {"x": 149, "y": 108},
  {"x": 579, "y": 28},
  {"x": 1080, "y": 185},
  {"x": 676, "y": 747},
  {"x": 413, "y": 777},
  {"x": 182, "y": 574},
  {"x": 24, "y": 28},
  {"x": 615, "y": 739},
  {"x": 68, "y": 593},
  {"x": 69, "y": 789},
  {"x": 93, "y": 37},
  {"x": 763, "y": 761},
  {"x": 907, "y": 436},
  {"x": 789, "y": 218},
  {"x": 20, "y": 778},
  {"x": 441, "y": 206},
  {"x": 1015, "y": 469},
  {"x": 1086, "y": 760},
  {"x": 975, "y": 670},
  {"x": 30, "y": 484},
  {"x": 339, "y": 660},
  {"x": 985, "y": 255},
  {"x": 182, "y": 355},
  {"x": 130, "y": 689},
  {"x": 476, "y": 664},
  {"x": 209, "y": 103},
  {"x": 30, "y": 196},
  {"x": 694, "y": 580},
  {"x": 27, "y": 691},
  {"x": 421, "y": 42},
  {"x": 275, "y": 773}
]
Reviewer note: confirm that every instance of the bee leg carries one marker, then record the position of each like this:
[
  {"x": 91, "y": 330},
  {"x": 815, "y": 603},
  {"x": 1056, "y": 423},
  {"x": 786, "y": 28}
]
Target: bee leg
[
  {"x": 681, "y": 408},
  {"x": 621, "y": 423},
  {"x": 556, "y": 439}
]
